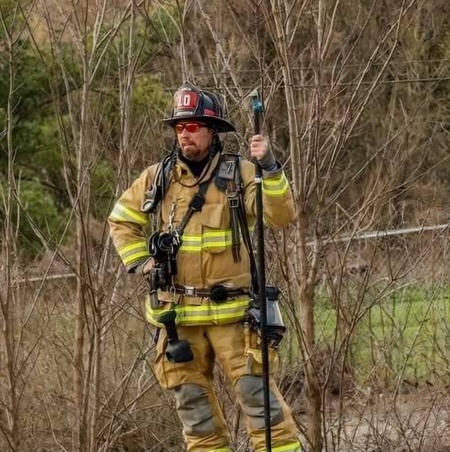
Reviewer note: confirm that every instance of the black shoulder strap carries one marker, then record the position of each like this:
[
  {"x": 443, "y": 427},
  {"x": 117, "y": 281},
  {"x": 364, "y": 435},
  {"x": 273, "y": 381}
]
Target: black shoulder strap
[
  {"x": 198, "y": 200},
  {"x": 196, "y": 204}
]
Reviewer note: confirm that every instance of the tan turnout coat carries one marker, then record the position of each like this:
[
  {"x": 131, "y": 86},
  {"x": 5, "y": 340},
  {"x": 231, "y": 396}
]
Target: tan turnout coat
[{"x": 205, "y": 256}]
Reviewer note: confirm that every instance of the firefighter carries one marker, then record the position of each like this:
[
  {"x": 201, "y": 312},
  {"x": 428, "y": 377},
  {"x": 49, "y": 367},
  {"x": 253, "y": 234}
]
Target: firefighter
[{"x": 199, "y": 270}]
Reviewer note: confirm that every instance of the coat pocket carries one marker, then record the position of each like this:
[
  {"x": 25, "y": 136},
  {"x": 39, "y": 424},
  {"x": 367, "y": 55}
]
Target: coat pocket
[{"x": 215, "y": 234}]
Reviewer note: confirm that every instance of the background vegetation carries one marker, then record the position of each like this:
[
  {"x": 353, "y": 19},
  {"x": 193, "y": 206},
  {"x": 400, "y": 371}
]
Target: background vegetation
[{"x": 356, "y": 97}]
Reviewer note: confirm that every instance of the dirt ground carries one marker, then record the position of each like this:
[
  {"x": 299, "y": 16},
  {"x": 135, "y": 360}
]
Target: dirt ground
[{"x": 414, "y": 422}]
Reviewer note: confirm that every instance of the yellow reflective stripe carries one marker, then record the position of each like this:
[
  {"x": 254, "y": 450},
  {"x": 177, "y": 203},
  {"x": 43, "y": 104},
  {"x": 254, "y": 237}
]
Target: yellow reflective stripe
[
  {"x": 220, "y": 238},
  {"x": 121, "y": 213},
  {"x": 191, "y": 243},
  {"x": 215, "y": 321},
  {"x": 291, "y": 447},
  {"x": 211, "y": 235},
  {"x": 275, "y": 187},
  {"x": 205, "y": 314},
  {"x": 218, "y": 313},
  {"x": 132, "y": 252}
]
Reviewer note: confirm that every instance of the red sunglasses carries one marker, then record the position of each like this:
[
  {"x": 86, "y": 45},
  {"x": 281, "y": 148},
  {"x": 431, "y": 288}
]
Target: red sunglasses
[{"x": 191, "y": 127}]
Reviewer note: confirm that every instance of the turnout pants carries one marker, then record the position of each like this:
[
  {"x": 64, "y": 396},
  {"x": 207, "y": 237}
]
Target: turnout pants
[{"x": 204, "y": 426}]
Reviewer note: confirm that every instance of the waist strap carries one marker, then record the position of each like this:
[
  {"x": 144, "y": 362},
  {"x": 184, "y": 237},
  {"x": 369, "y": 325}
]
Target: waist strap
[{"x": 215, "y": 293}]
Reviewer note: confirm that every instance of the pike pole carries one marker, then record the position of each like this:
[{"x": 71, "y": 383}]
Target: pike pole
[{"x": 257, "y": 109}]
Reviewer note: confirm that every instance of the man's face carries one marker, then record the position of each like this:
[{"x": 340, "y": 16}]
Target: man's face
[{"x": 194, "y": 139}]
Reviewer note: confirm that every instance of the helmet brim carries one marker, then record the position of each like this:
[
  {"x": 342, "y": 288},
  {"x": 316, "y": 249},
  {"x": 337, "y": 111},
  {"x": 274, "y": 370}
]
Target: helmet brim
[{"x": 221, "y": 125}]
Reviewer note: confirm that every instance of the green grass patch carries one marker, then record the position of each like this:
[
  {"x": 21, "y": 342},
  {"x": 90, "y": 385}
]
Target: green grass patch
[{"x": 395, "y": 335}]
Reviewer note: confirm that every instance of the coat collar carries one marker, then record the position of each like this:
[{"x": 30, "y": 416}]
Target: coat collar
[{"x": 183, "y": 173}]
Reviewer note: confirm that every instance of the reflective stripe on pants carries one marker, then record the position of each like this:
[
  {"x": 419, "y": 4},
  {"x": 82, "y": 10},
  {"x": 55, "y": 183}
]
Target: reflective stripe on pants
[{"x": 291, "y": 447}]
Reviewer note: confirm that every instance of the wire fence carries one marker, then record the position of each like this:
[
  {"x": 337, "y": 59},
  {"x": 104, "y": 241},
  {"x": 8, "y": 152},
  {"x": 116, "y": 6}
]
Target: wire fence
[
  {"x": 354, "y": 263},
  {"x": 382, "y": 300}
]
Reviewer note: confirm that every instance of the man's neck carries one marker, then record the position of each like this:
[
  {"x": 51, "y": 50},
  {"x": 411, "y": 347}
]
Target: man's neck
[{"x": 196, "y": 167}]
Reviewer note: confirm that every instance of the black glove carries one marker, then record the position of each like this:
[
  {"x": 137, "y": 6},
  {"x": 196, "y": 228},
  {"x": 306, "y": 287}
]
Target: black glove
[{"x": 268, "y": 162}]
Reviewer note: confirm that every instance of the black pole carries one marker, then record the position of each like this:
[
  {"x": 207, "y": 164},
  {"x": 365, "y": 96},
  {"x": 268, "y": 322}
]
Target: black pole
[{"x": 258, "y": 108}]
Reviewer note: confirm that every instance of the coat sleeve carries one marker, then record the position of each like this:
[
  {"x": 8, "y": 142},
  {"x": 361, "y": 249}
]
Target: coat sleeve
[
  {"x": 127, "y": 223},
  {"x": 278, "y": 202}
]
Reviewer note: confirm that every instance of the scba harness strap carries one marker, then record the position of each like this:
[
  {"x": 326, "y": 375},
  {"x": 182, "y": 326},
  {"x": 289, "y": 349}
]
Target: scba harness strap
[{"x": 229, "y": 180}]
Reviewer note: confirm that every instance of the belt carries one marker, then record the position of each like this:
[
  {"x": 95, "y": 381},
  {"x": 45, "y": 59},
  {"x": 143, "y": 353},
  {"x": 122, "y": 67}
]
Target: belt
[{"x": 216, "y": 293}]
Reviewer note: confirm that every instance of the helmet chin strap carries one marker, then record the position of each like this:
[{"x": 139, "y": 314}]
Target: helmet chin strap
[{"x": 216, "y": 144}]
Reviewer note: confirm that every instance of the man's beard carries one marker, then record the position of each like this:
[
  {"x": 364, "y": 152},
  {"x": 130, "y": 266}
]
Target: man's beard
[{"x": 194, "y": 155}]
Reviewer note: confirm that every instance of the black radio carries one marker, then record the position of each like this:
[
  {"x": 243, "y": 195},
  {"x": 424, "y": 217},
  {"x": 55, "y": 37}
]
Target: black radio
[{"x": 163, "y": 248}]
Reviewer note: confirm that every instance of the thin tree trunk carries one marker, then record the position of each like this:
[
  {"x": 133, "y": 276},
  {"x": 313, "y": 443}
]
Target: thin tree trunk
[
  {"x": 10, "y": 424},
  {"x": 306, "y": 271},
  {"x": 307, "y": 301},
  {"x": 82, "y": 269}
]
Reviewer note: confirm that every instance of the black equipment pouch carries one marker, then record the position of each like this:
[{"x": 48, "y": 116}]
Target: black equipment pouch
[
  {"x": 275, "y": 324},
  {"x": 177, "y": 351},
  {"x": 219, "y": 294}
]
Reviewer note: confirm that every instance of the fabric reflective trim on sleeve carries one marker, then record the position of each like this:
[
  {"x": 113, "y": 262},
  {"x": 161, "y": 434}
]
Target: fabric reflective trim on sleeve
[
  {"x": 291, "y": 447},
  {"x": 132, "y": 252},
  {"x": 208, "y": 314},
  {"x": 121, "y": 213},
  {"x": 275, "y": 187}
]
